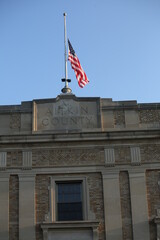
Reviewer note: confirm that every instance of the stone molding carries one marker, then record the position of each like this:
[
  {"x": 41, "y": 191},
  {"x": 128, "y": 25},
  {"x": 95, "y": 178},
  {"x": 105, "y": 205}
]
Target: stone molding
[
  {"x": 136, "y": 173},
  {"x": 109, "y": 157},
  {"x": 51, "y": 216},
  {"x": 70, "y": 137},
  {"x": 27, "y": 160},
  {"x": 111, "y": 175},
  {"x": 70, "y": 225},
  {"x": 135, "y": 155},
  {"x": 3, "y": 160},
  {"x": 27, "y": 177}
]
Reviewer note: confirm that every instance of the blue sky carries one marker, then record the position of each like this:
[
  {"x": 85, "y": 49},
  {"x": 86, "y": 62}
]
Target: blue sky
[{"x": 117, "y": 42}]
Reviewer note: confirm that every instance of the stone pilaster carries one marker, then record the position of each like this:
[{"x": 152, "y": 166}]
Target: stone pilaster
[
  {"x": 131, "y": 119},
  {"x": 3, "y": 160},
  {"x": 26, "y": 207},
  {"x": 4, "y": 206},
  {"x": 112, "y": 207},
  {"x": 139, "y": 206},
  {"x": 135, "y": 155},
  {"x": 27, "y": 160},
  {"x": 109, "y": 157}
]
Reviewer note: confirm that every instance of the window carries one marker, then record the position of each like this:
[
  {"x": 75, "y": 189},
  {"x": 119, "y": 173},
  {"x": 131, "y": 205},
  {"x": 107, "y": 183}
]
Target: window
[
  {"x": 69, "y": 202},
  {"x": 69, "y": 199}
]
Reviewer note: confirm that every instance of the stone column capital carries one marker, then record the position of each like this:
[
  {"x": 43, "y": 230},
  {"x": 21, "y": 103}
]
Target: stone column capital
[
  {"x": 110, "y": 174},
  {"x": 136, "y": 173},
  {"x": 26, "y": 177}
]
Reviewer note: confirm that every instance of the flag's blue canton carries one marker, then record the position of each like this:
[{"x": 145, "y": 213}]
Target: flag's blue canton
[{"x": 71, "y": 48}]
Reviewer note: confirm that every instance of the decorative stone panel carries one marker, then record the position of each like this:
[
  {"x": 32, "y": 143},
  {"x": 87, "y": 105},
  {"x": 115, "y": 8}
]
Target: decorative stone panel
[
  {"x": 3, "y": 160},
  {"x": 149, "y": 116},
  {"x": 119, "y": 118},
  {"x": 65, "y": 157},
  {"x": 15, "y": 121},
  {"x": 27, "y": 160},
  {"x": 109, "y": 157},
  {"x": 122, "y": 155},
  {"x": 14, "y": 159},
  {"x": 66, "y": 112},
  {"x": 150, "y": 153},
  {"x": 135, "y": 156}
]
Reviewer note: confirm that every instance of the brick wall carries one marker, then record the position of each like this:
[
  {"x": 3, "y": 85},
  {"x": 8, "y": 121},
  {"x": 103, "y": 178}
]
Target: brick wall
[
  {"x": 96, "y": 200},
  {"x": 13, "y": 208},
  {"x": 125, "y": 206},
  {"x": 153, "y": 196},
  {"x": 149, "y": 116},
  {"x": 42, "y": 202}
]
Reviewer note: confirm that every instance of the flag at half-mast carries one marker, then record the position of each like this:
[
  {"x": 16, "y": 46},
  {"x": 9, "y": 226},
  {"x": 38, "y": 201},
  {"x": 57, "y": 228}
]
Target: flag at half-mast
[{"x": 76, "y": 66}]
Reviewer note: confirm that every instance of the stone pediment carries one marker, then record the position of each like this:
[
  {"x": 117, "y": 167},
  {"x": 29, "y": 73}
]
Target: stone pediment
[{"x": 65, "y": 113}]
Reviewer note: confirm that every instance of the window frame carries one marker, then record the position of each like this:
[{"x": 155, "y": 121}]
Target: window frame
[{"x": 53, "y": 196}]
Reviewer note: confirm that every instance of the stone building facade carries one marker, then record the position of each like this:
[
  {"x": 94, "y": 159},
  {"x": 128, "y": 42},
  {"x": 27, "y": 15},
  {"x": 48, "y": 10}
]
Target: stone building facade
[{"x": 80, "y": 169}]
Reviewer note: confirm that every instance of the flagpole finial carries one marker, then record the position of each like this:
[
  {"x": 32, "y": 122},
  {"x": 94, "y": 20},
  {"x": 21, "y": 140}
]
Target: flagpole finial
[{"x": 66, "y": 89}]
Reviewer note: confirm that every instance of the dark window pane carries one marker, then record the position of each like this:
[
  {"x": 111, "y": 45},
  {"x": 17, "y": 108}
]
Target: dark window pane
[
  {"x": 69, "y": 211},
  {"x": 69, "y": 203}
]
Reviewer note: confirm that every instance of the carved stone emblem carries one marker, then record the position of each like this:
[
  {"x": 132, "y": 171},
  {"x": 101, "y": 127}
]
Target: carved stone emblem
[{"x": 66, "y": 114}]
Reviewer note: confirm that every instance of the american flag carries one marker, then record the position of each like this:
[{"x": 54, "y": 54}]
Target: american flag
[{"x": 76, "y": 66}]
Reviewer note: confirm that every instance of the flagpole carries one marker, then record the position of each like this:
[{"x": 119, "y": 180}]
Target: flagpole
[
  {"x": 66, "y": 89},
  {"x": 65, "y": 47}
]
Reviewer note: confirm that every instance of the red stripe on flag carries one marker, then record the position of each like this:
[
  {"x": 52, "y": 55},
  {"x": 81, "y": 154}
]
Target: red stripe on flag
[{"x": 76, "y": 66}]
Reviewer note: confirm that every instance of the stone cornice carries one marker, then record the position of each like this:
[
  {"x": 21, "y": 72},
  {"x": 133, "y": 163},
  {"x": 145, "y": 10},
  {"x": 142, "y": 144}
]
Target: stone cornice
[{"x": 78, "y": 137}]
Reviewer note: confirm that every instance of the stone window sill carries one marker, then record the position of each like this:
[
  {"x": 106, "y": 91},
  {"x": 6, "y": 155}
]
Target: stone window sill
[{"x": 49, "y": 227}]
